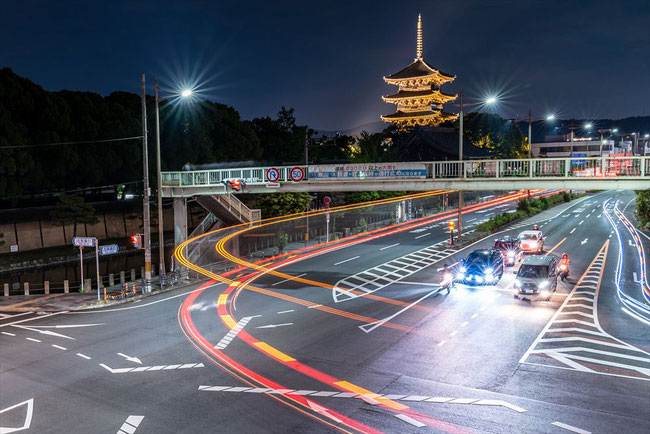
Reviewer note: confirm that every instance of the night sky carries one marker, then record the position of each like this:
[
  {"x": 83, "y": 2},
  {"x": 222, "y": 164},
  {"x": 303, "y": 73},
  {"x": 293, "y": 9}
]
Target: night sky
[{"x": 584, "y": 58}]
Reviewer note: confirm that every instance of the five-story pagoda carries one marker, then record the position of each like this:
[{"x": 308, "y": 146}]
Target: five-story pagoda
[{"x": 419, "y": 98}]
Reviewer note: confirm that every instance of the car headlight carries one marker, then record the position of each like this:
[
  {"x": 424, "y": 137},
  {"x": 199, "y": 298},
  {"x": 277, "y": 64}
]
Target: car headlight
[
  {"x": 543, "y": 285},
  {"x": 517, "y": 282},
  {"x": 511, "y": 254},
  {"x": 544, "y": 294},
  {"x": 460, "y": 276},
  {"x": 489, "y": 270},
  {"x": 463, "y": 269}
]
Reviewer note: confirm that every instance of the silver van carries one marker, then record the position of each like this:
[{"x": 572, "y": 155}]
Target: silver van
[{"x": 536, "y": 278}]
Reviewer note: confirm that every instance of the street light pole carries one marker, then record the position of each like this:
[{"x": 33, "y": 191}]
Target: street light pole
[
  {"x": 145, "y": 202},
  {"x": 460, "y": 158},
  {"x": 161, "y": 235}
]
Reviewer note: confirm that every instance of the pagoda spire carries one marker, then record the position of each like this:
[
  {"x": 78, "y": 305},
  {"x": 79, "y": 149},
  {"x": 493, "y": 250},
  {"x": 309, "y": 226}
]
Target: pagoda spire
[{"x": 418, "y": 53}]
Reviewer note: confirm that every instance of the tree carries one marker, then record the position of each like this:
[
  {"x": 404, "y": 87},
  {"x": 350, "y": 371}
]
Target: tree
[
  {"x": 73, "y": 210},
  {"x": 372, "y": 148},
  {"x": 279, "y": 204},
  {"x": 282, "y": 241},
  {"x": 501, "y": 137},
  {"x": 643, "y": 207}
]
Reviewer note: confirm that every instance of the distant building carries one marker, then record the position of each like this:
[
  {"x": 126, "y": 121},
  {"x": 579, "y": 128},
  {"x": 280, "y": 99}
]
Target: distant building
[
  {"x": 419, "y": 99},
  {"x": 562, "y": 146}
]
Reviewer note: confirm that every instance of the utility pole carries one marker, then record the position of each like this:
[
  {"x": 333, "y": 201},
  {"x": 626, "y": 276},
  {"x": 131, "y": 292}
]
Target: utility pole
[
  {"x": 161, "y": 235},
  {"x": 145, "y": 202},
  {"x": 460, "y": 158},
  {"x": 99, "y": 280},
  {"x": 306, "y": 149},
  {"x": 530, "y": 134}
]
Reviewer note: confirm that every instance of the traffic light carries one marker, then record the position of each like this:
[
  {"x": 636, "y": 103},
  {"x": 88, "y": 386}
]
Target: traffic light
[
  {"x": 452, "y": 225},
  {"x": 136, "y": 241}
]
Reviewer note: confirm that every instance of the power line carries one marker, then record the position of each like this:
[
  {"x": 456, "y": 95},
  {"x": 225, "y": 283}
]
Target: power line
[{"x": 71, "y": 143}]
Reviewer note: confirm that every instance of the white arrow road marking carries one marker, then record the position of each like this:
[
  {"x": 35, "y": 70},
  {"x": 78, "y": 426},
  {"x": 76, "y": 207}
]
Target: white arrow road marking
[
  {"x": 270, "y": 326},
  {"x": 584, "y": 241},
  {"x": 570, "y": 428},
  {"x": 373, "y": 325},
  {"x": 28, "y": 417},
  {"x": 130, "y": 359},
  {"x": 129, "y": 427},
  {"x": 373, "y": 396},
  {"x": 410, "y": 420},
  {"x": 66, "y": 326},
  {"x": 44, "y": 332},
  {"x": 151, "y": 368}
]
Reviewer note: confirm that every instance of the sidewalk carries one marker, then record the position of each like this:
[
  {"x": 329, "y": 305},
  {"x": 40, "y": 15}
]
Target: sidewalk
[{"x": 74, "y": 301}]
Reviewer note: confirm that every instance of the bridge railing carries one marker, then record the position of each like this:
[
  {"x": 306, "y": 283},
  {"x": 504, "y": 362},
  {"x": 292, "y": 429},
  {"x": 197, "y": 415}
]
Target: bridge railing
[{"x": 561, "y": 168}]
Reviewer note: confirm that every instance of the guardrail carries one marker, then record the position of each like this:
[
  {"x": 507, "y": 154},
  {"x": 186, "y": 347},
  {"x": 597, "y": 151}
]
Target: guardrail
[{"x": 556, "y": 168}]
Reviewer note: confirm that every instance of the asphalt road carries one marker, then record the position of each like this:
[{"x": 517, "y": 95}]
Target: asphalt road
[{"x": 375, "y": 346}]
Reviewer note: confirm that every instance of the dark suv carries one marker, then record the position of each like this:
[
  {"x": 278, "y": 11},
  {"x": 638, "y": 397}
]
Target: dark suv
[
  {"x": 510, "y": 248},
  {"x": 481, "y": 267}
]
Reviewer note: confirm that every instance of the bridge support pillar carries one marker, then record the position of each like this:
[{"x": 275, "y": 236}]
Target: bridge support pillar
[{"x": 180, "y": 220}]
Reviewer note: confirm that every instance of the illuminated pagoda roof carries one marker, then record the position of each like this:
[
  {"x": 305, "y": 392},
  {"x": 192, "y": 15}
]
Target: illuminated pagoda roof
[{"x": 419, "y": 98}]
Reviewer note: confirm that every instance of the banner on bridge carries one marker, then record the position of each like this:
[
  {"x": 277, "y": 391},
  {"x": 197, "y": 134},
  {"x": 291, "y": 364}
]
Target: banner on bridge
[{"x": 368, "y": 170}]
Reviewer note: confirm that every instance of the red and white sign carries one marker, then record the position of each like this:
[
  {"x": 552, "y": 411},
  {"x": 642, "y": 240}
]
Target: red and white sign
[
  {"x": 297, "y": 174},
  {"x": 272, "y": 174}
]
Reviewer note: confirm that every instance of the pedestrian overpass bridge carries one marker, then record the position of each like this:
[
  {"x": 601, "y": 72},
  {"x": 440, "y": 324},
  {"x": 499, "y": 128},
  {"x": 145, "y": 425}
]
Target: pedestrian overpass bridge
[{"x": 599, "y": 173}]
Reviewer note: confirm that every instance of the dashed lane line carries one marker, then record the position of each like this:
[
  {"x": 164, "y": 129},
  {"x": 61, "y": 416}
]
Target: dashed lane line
[
  {"x": 347, "y": 260},
  {"x": 83, "y": 356},
  {"x": 285, "y": 311},
  {"x": 365, "y": 396},
  {"x": 8, "y": 334},
  {"x": 33, "y": 340},
  {"x": 388, "y": 247},
  {"x": 286, "y": 280},
  {"x": 421, "y": 236},
  {"x": 570, "y": 428},
  {"x": 59, "y": 347},
  {"x": 151, "y": 368},
  {"x": 410, "y": 420},
  {"x": 131, "y": 424}
]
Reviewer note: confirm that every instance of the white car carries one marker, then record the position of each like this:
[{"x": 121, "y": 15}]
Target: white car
[{"x": 532, "y": 241}]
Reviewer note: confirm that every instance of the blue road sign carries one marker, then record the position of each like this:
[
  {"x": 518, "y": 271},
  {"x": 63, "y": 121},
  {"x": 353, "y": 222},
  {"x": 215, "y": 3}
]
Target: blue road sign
[
  {"x": 109, "y": 249},
  {"x": 83, "y": 241}
]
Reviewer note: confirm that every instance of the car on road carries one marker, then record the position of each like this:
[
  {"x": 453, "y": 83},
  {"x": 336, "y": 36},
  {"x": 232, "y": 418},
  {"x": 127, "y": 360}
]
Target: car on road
[
  {"x": 510, "y": 248},
  {"x": 532, "y": 241},
  {"x": 481, "y": 267},
  {"x": 536, "y": 278}
]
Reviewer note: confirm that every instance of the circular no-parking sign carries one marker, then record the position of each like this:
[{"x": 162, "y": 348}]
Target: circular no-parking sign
[
  {"x": 327, "y": 200},
  {"x": 272, "y": 174},
  {"x": 297, "y": 174}
]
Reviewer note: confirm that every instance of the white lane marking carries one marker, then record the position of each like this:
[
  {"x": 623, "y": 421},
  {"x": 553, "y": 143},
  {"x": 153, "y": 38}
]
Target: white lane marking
[
  {"x": 83, "y": 356},
  {"x": 65, "y": 326},
  {"x": 642, "y": 233},
  {"x": 285, "y": 311},
  {"x": 151, "y": 368},
  {"x": 629, "y": 242},
  {"x": 314, "y": 306},
  {"x": 130, "y": 359},
  {"x": 636, "y": 278},
  {"x": 571, "y": 428},
  {"x": 410, "y": 420},
  {"x": 464, "y": 324},
  {"x": 371, "y": 326},
  {"x": 286, "y": 280},
  {"x": 59, "y": 347},
  {"x": 483, "y": 308},
  {"x": 584, "y": 241},
  {"x": 346, "y": 260},
  {"x": 453, "y": 333},
  {"x": 375, "y": 397},
  {"x": 223, "y": 343},
  {"x": 423, "y": 235},
  {"x": 388, "y": 247},
  {"x": 271, "y": 326},
  {"x": 33, "y": 340},
  {"x": 581, "y": 221},
  {"x": 28, "y": 417},
  {"x": 129, "y": 426},
  {"x": 442, "y": 342},
  {"x": 474, "y": 316},
  {"x": 572, "y": 230},
  {"x": 31, "y": 319},
  {"x": 117, "y": 309},
  {"x": 8, "y": 334}
]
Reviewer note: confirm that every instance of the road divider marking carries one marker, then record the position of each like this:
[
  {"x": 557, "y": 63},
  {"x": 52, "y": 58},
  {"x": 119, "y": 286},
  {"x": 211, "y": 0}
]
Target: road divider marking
[
  {"x": 442, "y": 342},
  {"x": 464, "y": 324},
  {"x": 131, "y": 424},
  {"x": 151, "y": 368},
  {"x": 570, "y": 428},
  {"x": 234, "y": 331},
  {"x": 423, "y": 235},
  {"x": 83, "y": 356},
  {"x": 33, "y": 340},
  {"x": 410, "y": 420},
  {"x": 59, "y": 347},
  {"x": 347, "y": 260},
  {"x": 356, "y": 392},
  {"x": 286, "y": 280},
  {"x": 273, "y": 352},
  {"x": 8, "y": 334},
  {"x": 388, "y": 247},
  {"x": 286, "y": 311},
  {"x": 573, "y": 230}
]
